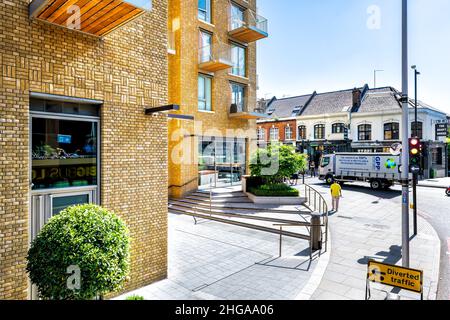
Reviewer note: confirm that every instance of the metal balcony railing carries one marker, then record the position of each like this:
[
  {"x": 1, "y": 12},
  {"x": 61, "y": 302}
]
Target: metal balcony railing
[
  {"x": 215, "y": 57},
  {"x": 245, "y": 112},
  {"x": 249, "y": 20}
]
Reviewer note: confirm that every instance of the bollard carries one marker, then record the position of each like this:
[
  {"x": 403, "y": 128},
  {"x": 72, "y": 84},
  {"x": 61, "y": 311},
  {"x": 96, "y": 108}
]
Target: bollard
[{"x": 316, "y": 232}]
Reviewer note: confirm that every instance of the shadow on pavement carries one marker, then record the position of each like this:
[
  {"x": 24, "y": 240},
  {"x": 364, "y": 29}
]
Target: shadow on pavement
[
  {"x": 392, "y": 256},
  {"x": 382, "y": 194}
]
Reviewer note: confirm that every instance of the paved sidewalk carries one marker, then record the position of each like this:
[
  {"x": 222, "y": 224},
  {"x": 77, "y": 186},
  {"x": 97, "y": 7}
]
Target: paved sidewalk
[
  {"x": 222, "y": 262},
  {"x": 435, "y": 183},
  {"x": 368, "y": 227}
]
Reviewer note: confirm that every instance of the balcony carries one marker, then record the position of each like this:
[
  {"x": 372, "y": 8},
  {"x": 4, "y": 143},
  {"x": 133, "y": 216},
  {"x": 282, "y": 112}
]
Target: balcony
[
  {"x": 237, "y": 112},
  {"x": 249, "y": 27},
  {"x": 97, "y": 18},
  {"x": 215, "y": 58}
]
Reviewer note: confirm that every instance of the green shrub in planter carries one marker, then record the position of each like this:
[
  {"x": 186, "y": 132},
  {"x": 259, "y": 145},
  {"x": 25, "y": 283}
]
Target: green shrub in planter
[
  {"x": 80, "y": 254},
  {"x": 134, "y": 298},
  {"x": 275, "y": 190}
]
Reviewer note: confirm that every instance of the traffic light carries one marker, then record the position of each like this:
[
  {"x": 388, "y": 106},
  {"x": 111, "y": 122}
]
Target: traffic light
[{"x": 415, "y": 155}]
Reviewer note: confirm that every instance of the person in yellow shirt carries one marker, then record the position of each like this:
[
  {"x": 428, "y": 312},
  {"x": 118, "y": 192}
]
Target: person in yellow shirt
[{"x": 336, "y": 195}]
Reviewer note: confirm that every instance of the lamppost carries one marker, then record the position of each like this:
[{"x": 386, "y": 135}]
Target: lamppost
[
  {"x": 415, "y": 134},
  {"x": 416, "y": 74},
  {"x": 405, "y": 138}
]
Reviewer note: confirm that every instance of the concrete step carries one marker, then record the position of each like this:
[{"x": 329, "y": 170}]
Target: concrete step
[
  {"x": 234, "y": 214},
  {"x": 220, "y": 200},
  {"x": 239, "y": 222},
  {"x": 236, "y": 195},
  {"x": 238, "y": 207}
]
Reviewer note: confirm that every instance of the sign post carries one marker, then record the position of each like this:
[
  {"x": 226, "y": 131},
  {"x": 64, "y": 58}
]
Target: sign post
[{"x": 394, "y": 276}]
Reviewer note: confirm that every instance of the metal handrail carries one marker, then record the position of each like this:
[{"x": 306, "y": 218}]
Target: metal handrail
[{"x": 319, "y": 203}]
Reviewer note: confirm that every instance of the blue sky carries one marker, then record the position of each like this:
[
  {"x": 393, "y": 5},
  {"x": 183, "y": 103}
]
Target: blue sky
[{"x": 326, "y": 45}]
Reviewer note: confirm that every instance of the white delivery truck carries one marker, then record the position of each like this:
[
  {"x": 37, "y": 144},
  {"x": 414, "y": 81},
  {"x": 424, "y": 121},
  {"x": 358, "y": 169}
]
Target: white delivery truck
[{"x": 381, "y": 170}]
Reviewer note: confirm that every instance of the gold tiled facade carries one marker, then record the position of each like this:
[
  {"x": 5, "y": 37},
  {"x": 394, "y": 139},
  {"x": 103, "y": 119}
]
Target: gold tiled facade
[
  {"x": 183, "y": 88},
  {"x": 128, "y": 71}
]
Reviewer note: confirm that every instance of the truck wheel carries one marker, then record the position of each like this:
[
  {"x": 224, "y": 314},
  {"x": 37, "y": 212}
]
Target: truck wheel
[
  {"x": 329, "y": 180},
  {"x": 375, "y": 184}
]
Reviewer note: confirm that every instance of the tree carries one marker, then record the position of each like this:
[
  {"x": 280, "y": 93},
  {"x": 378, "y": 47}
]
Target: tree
[
  {"x": 276, "y": 163},
  {"x": 81, "y": 253}
]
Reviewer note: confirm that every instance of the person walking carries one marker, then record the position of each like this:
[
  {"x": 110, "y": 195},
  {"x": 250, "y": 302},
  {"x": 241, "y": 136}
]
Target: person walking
[
  {"x": 312, "y": 168},
  {"x": 336, "y": 195}
]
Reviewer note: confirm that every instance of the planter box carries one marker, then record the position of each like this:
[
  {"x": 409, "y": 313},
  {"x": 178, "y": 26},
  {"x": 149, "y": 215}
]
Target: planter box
[{"x": 276, "y": 200}]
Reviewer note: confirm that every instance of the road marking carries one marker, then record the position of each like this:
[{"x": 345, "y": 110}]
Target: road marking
[{"x": 423, "y": 214}]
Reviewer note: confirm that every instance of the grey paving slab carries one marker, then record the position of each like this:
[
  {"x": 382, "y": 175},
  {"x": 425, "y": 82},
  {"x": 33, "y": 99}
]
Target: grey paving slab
[
  {"x": 369, "y": 227},
  {"x": 217, "y": 261}
]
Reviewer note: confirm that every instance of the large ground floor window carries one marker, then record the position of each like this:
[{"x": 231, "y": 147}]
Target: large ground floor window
[
  {"x": 222, "y": 161},
  {"x": 64, "y": 153}
]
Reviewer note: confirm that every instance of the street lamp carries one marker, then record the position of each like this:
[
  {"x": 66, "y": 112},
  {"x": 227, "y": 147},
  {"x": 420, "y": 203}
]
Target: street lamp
[
  {"x": 405, "y": 139},
  {"x": 416, "y": 74}
]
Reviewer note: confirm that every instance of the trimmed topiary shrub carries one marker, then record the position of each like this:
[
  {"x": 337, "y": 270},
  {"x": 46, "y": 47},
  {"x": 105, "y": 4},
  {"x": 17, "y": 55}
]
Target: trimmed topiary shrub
[{"x": 80, "y": 254}]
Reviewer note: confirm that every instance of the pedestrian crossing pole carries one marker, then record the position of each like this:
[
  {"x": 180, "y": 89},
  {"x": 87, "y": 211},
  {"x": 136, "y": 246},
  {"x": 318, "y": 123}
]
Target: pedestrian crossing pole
[{"x": 405, "y": 138}]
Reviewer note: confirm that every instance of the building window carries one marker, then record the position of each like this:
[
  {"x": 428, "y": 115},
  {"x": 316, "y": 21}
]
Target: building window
[
  {"x": 417, "y": 130},
  {"x": 204, "y": 93},
  {"x": 238, "y": 96},
  {"x": 436, "y": 155},
  {"x": 302, "y": 132},
  {"x": 392, "y": 131},
  {"x": 238, "y": 55},
  {"x": 338, "y": 128},
  {"x": 261, "y": 134},
  {"x": 296, "y": 111},
  {"x": 237, "y": 17},
  {"x": 288, "y": 133},
  {"x": 319, "y": 132},
  {"x": 64, "y": 153},
  {"x": 205, "y": 43},
  {"x": 204, "y": 10},
  {"x": 274, "y": 134},
  {"x": 365, "y": 132}
]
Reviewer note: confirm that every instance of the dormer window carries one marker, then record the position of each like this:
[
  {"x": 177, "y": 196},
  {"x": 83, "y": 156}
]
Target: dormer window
[{"x": 296, "y": 111}]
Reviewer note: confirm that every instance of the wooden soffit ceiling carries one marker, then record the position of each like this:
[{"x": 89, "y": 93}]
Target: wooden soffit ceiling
[{"x": 96, "y": 17}]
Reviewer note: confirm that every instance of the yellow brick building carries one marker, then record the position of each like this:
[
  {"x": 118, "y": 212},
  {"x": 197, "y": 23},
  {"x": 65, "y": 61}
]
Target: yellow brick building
[
  {"x": 73, "y": 126},
  {"x": 212, "y": 77}
]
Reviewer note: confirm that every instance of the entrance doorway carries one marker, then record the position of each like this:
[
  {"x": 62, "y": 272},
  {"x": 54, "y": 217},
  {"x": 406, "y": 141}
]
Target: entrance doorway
[{"x": 222, "y": 162}]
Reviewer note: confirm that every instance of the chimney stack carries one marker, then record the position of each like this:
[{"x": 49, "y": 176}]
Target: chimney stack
[{"x": 356, "y": 97}]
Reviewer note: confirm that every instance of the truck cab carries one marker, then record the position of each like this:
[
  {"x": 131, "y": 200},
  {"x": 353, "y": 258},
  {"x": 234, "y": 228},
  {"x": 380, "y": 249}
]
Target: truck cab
[{"x": 326, "y": 168}]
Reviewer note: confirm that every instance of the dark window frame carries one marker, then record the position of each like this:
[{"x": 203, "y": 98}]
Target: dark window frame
[
  {"x": 392, "y": 130},
  {"x": 365, "y": 132},
  {"x": 319, "y": 132},
  {"x": 302, "y": 132},
  {"x": 338, "y": 128}
]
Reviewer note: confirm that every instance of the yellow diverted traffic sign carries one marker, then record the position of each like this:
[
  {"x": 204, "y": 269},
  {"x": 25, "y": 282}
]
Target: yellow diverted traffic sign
[{"x": 395, "y": 276}]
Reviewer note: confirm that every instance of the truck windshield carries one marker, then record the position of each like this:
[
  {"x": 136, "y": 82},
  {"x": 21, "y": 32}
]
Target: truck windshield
[{"x": 325, "y": 161}]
